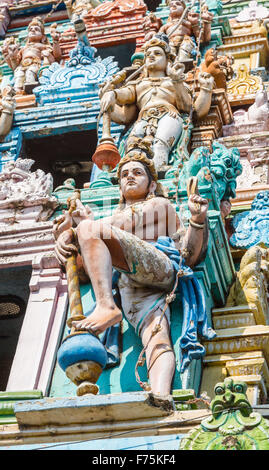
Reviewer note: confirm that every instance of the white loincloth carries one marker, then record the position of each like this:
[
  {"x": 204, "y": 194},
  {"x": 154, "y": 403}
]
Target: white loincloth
[{"x": 151, "y": 276}]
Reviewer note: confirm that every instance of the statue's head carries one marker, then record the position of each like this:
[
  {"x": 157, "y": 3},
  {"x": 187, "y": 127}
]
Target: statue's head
[
  {"x": 176, "y": 7},
  {"x": 136, "y": 172},
  {"x": 157, "y": 53},
  {"x": 36, "y": 31}
]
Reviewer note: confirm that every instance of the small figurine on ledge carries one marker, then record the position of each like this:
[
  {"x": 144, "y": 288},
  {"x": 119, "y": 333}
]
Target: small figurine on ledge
[
  {"x": 77, "y": 9},
  {"x": 7, "y": 108},
  {"x": 182, "y": 38},
  {"x": 134, "y": 241},
  {"x": 151, "y": 25},
  {"x": 220, "y": 67},
  {"x": 28, "y": 60}
]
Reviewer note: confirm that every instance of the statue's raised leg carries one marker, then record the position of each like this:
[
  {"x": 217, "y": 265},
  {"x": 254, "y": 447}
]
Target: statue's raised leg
[{"x": 100, "y": 250}]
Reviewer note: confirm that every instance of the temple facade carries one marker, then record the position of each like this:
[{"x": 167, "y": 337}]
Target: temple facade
[{"x": 88, "y": 88}]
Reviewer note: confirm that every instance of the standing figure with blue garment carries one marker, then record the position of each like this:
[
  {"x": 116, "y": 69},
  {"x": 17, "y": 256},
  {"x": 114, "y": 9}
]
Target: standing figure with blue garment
[{"x": 137, "y": 242}]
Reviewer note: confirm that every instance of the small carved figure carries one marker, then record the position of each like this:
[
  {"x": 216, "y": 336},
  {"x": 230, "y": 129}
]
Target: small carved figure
[
  {"x": 252, "y": 12},
  {"x": 27, "y": 61},
  {"x": 250, "y": 286},
  {"x": 7, "y": 107},
  {"x": 151, "y": 25},
  {"x": 219, "y": 67},
  {"x": 159, "y": 95},
  {"x": 182, "y": 38},
  {"x": 77, "y": 9},
  {"x": 4, "y": 18},
  {"x": 259, "y": 110},
  {"x": 25, "y": 195},
  {"x": 128, "y": 241}
]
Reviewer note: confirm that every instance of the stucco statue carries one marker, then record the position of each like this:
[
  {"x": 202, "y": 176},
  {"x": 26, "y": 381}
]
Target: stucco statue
[
  {"x": 183, "y": 38},
  {"x": 25, "y": 196},
  {"x": 155, "y": 100},
  {"x": 4, "y": 18},
  {"x": 250, "y": 286},
  {"x": 128, "y": 241},
  {"x": 220, "y": 67},
  {"x": 28, "y": 60},
  {"x": 77, "y": 9},
  {"x": 7, "y": 107},
  {"x": 259, "y": 110},
  {"x": 151, "y": 25}
]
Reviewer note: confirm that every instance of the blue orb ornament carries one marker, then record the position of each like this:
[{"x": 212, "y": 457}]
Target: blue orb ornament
[{"x": 83, "y": 357}]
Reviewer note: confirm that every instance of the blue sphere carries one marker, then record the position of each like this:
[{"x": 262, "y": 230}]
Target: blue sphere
[{"x": 81, "y": 347}]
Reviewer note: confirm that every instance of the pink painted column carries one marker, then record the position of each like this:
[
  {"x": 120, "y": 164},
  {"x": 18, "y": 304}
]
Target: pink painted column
[{"x": 42, "y": 327}]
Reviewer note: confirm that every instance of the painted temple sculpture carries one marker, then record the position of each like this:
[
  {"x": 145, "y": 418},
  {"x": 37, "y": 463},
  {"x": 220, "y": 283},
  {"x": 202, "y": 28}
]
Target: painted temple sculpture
[
  {"x": 27, "y": 61},
  {"x": 134, "y": 221}
]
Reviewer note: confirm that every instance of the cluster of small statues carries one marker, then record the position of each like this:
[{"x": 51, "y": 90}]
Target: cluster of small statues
[{"x": 28, "y": 60}]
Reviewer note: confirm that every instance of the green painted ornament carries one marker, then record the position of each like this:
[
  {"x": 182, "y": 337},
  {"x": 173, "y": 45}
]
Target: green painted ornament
[{"x": 232, "y": 426}]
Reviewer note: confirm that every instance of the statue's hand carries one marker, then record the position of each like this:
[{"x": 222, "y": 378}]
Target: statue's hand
[
  {"x": 198, "y": 207},
  {"x": 206, "y": 16},
  {"x": 108, "y": 101},
  {"x": 65, "y": 221},
  {"x": 55, "y": 35},
  {"x": 64, "y": 247},
  {"x": 193, "y": 18},
  {"x": 68, "y": 3},
  {"x": 206, "y": 81},
  {"x": 9, "y": 51},
  {"x": 176, "y": 71},
  {"x": 61, "y": 223},
  {"x": 82, "y": 213}
]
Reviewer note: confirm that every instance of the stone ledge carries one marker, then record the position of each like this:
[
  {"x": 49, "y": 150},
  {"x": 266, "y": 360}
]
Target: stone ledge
[{"x": 87, "y": 409}]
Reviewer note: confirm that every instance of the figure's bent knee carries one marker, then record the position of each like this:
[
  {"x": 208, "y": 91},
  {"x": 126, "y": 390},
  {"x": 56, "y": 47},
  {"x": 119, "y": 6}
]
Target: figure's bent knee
[
  {"x": 93, "y": 229},
  {"x": 85, "y": 231}
]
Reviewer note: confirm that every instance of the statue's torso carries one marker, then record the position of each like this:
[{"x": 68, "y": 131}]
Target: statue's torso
[
  {"x": 149, "y": 230},
  {"x": 180, "y": 31},
  {"x": 35, "y": 50},
  {"x": 155, "y": 92}
]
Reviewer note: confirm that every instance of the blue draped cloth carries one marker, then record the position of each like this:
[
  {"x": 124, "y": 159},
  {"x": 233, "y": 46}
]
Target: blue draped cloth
[{"x": 195, "y": 322}]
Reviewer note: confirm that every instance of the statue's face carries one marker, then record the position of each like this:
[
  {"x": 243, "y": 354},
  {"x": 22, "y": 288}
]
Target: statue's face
[
  {"x": 176, "y": 7},
  {"x": 34, "y": 33},
  {"x": 134, "y": 181},
  {"x": 155, "y": 59}
]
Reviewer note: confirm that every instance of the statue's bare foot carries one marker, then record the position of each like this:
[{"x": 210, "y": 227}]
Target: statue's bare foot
[{"x": 100, "y": 319}]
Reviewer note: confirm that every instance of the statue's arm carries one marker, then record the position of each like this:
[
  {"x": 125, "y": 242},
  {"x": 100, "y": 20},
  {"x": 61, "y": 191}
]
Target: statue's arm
[
  {"x": 203, "y": 101},
  {"x": 69, "y": 9},
  {"x": 196, "y": 238},
  {"x": 56, "y": 49},
  {"x": 183, "y": 96},
  {"x": 207, "y": 19},
  {"x": 122, "y": 96}
]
